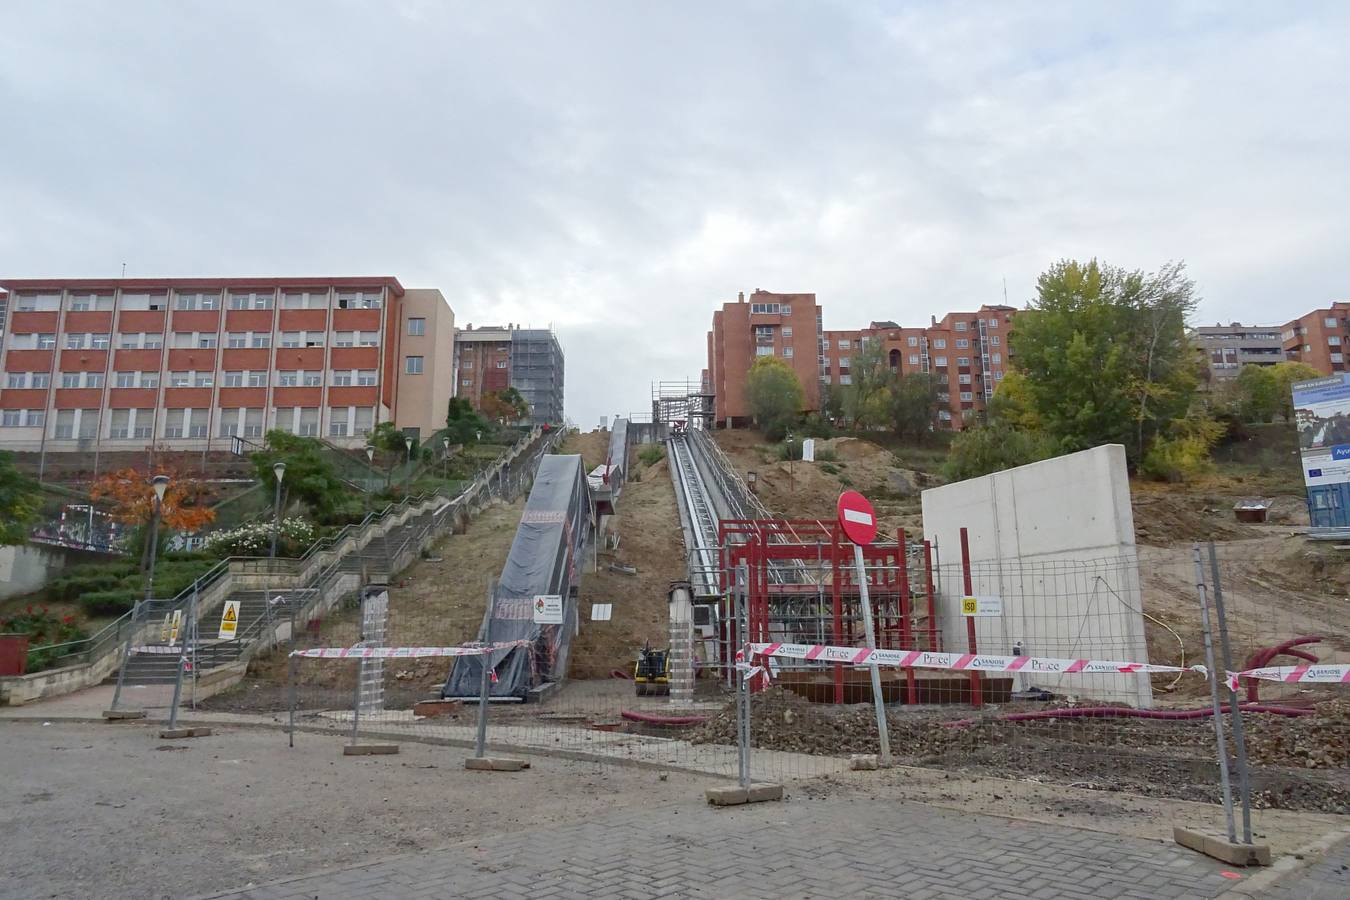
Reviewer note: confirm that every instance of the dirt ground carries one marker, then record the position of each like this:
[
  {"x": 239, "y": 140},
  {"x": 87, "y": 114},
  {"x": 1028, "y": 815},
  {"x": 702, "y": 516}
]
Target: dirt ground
[
  {"x": 809, "y": 490},
  {"x": 97, "y": 811},
  {"x": 647, "y": 523},
  {"x": 592, "y": 445},
  {"x": 1297, "y": 763}
]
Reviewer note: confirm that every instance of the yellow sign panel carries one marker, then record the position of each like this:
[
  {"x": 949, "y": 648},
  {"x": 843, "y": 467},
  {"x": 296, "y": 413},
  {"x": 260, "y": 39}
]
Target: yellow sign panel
[
  {"x": 229, "y": 620},
  {"x": 174, "y": 624},
  {"x": 982, "y": 606},
  {"x": 164, "y": 628},
  {"x": 969, "y": 605}
]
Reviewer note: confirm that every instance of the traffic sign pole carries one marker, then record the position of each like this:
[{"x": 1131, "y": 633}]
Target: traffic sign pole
[
  {"x": 859, "y": 522},
  {"x": 883, "y": 733}
]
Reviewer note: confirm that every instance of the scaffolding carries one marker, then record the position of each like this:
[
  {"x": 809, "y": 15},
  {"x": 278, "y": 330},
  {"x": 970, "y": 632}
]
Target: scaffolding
[
  {"x": 684, "y": 404},
  {"x": 537, "y": 369}
]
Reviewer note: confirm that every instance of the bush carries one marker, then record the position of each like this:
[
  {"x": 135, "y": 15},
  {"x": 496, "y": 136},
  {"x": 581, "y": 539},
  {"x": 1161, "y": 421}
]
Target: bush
[
  {"x": 992, "y": 448},
  {"x": 43, "y": 627},
  {"x": 789, "y": 450},
  {"x": 651, "y": 455},
  {"x": 826, "y": 455},
  {"x": 255, "y": 539},
  {"x": 1176, "y": 459},
  {"x": 107, "y": 603},
  {"x": 816, "y": 426},
  {"x": 831, "y": 468}
]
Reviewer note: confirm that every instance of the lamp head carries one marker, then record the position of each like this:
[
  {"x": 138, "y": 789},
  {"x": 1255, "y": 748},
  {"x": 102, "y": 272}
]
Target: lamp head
[
  {"x": 160, "y": 483},
  {"x": 279, "y": 470}
]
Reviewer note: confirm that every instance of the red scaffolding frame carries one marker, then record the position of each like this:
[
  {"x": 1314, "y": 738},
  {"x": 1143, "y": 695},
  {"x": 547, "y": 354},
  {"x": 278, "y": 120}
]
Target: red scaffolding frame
[{"x": 798, "y": 551}]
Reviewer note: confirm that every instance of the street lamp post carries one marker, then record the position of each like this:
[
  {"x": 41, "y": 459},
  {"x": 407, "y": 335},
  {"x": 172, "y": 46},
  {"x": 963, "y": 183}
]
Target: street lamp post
[
  {"x": 445, "y": 472},
  {"x": 407, "y": 472},
  {"x": 280, "y": 471}
]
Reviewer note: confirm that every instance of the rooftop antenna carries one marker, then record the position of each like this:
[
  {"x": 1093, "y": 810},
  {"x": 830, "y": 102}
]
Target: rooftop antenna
[
  {"x": 124, "y": 270},
  {"x": 1005, "y": 290}
]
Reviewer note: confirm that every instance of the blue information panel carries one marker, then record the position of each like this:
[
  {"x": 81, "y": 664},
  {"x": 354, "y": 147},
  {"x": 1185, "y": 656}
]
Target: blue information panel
[{"x": 1322, "y": 414}]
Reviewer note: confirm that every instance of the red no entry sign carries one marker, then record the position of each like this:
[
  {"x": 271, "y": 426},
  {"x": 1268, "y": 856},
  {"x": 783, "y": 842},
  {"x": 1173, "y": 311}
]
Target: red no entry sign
[{"x": 857, "y": 518}]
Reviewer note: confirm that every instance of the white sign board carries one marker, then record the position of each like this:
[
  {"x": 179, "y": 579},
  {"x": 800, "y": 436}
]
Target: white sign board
[
  {"x": 601, "y": 612},
  {"x": 548, "y": 609},
  {"x": 809, "y": 450},
  {"x": 229, "y": 620},
  {"x": 981, "y": 606}
]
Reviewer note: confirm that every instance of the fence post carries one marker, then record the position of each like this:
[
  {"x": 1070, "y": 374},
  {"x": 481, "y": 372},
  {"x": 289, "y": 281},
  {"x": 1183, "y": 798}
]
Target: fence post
[
  {"x": 1214, "y": 676},
  {"x": 182, "y": 660},
  {"x": 480, "y": 740},
  {"x": 883, "y": 733},
  {"x": 290, "y": 699},
  {"x": 967, "y": 585},
  {"x": 742, "y": 682},
  {"x": 1239, "y": 735}
]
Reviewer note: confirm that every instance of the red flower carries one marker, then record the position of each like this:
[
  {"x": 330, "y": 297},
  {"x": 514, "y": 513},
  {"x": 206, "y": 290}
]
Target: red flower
[{"x": 67, "y": 619}]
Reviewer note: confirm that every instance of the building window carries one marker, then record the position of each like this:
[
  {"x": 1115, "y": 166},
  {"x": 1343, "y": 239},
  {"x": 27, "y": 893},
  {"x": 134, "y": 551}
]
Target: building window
[
  {"x": 960, "y": 326},
  {"x": 945, "y": 415},
  {"x": 309, "y": 421},
  {"x": 342, "y": 378},
  {"x": 1336, "y": 357},
  {"x": 365, "y": 377},
  {"x": 939, "y": 360},
  {"x": 844, "y": 361},
  {"x": 963, "y": 360},
  {"x": 994, "y": 340},
  {"x": 260, "y": 339},
  {"x": 914, "y": 359},
  {"x": 417, "y": 327},
  {"x": 913, "y": 341},
  {"x": 288, "y": 378},
  {"x": 285, "y": 420},
  {"x": 180, "y": 379},
  {"x": 763, "y": 350},
  {"x": 940, "y": 343},
  {"x": 345, "y": 339},
  {"x": 844, "y": 345},
  {"x": 70, "y": 379},
  {"x": 502, "y": 364},
  {"x": 311, "y": 379},
  {"x": 845, "y": 379},
  {"x": 233, "y": 379},
  {"x": 998, "y": 376},
  {"x": 365, "y": 420},
  {"x": 290, "y": 338},
  {"x": 256, "y": 379},
  {"x": 787, "y": 353},
  {"x": 1329, "y": 322},
  {"x": 93, "y": 379},
  {"x": 12, "y": 418},
  {"x": 963, "y": 379},
  {"x": 358, "y": 300},
  {"x": 967, "y": 397},
  {"x": 962, "y": 343},
  {"x": 414, "y": 365},
  {"x": 787, "y": 331},
  {"x": 229, "y": 422},
  {"x": 203, "y": 379},
  {"x": 236, "y": 339},
  {"x": 466, "y": 382},
  {"x": 252, "y": 300},
  {"x": 16, "y": 380},
  {"x": 253, "y": 423},
  {"x": 1334, "y": 340},
  {"x": 997, "y": 358},
  {"x": 368, "y": 338},
  {"x": 206, "y": 342}
]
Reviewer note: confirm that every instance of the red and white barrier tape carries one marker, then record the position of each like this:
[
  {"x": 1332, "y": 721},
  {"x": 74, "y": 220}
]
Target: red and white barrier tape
[
  {"x": 402, "y": 652},
  {"x": 979, "y": 662}
]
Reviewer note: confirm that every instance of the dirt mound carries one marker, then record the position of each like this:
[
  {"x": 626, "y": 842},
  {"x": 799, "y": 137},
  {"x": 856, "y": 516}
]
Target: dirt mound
[
  {"x": 1297, "y": 763},
  {"x": 592, "y": 445}
]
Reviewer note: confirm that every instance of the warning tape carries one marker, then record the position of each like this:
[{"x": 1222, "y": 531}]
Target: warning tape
[
  {"x": 403, "y": 652},
  {"x": 979, "y": 662}
]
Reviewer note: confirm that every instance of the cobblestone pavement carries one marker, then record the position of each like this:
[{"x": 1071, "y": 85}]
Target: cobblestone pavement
[
  {"x": 804, "y": 848},
  {"x": 1326, "y": 879}
]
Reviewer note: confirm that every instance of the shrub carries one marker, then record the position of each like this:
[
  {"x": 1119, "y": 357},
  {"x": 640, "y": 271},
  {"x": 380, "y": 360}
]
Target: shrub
[
  {"x": 43, "y": 627},
  {"x": 107, "y": 603},
  {"x": 992, "y": 448},
  {"x": 826, "y": 454},
  {"x": 255, "y": 539},
  {"x": 791, "y": 449},
  {"x": 816, "y": 426},
  {"x": 831, "y": 468},
  {"x": 1176, "y": 459},
  {"x": 651, "y": 455}
]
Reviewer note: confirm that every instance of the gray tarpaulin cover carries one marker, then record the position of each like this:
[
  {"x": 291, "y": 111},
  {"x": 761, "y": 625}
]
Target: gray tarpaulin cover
[
  {"x": 618, "y": 456},
  {"x": 545, "y": 559}
]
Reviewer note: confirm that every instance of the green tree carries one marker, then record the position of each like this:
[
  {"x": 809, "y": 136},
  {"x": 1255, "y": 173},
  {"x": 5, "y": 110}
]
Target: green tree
[
  {"x": 310, "y": 477},
  {"x": 832, "y": 402},
  {"x": 913, "y": 405},
  {"x": 1105, "y": 355},
  {"x": 1286, "y": 375},
  {"x": 1255, "y": 394},
  {"x": 775, "y": 396},
  {"x": 20, "y": 502},
  {"x": 866, "y": 399},
  {"x": 463, "y": 424},
  {"x": 992, "y": 448}
]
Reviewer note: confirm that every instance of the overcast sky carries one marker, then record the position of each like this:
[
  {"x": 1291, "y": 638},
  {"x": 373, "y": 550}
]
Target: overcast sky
[{"x": 618, "y": 169}]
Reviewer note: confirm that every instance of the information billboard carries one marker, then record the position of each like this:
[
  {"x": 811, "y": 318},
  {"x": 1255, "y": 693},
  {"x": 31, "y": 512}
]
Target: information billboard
[{"x": 1322, "y": 415}]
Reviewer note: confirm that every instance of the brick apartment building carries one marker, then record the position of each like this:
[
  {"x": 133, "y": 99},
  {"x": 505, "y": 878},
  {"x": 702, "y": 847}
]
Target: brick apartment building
[
  {"x": 782, "y": 325},
  {"x": 190, "y": 363},
  {"x": 1319, "y": 338},
  {"x": 967, "y": 353},
  {"x": 1227, "y": 348},
  {"x": 488, "y": 360}
]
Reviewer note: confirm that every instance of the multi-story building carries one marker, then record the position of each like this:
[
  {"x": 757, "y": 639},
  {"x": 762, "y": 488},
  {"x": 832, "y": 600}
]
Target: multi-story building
[
  {"x": 1319, "y": 338},
  {"x": 489, "y": 360},
  {"x": 966, "y": 352},
  {"x": 1227, "y": 348},
  {"x": 191, "y": 363},
  {"x": 782, "y": 325}
]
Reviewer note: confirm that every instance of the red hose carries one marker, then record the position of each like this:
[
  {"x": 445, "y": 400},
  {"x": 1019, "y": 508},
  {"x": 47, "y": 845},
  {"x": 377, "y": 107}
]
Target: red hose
[
  {"x": 1263, "y": 657},
  {"x": 618, "y": 673},
  {"x": 652, "y": 719},
  {"x": 1123, "y": 712}
]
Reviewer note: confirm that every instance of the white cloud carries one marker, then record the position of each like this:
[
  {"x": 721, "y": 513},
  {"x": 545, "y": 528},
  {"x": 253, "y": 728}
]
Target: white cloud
[{"x": 620, "y": 169}]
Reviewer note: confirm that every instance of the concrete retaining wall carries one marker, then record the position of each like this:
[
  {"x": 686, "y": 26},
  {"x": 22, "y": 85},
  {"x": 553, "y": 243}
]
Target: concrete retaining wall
[{"x": 1054, "y": 540}]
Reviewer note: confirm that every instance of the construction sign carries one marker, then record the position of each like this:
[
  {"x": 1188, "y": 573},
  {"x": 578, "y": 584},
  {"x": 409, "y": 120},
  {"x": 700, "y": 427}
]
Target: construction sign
[
  {"x": 981, "y": 606},
  {"x": 174, "y": 625},
  {"x": 548, "y": 609},
  {"x": 229, "y": 620},
  {"x": 164, "y": 628}
]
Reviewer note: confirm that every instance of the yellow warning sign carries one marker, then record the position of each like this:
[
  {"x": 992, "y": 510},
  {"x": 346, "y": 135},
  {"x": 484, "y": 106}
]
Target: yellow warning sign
[
  {"x": 174, "y": 624},
  {"x": 164, "y": 628},
  {"x": 229, "y": 620},
  {"x": 969, "y": 605}
]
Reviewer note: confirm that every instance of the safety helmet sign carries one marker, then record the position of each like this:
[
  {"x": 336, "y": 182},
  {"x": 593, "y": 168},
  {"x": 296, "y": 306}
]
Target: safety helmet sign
[{"x": 857, "y": 518}]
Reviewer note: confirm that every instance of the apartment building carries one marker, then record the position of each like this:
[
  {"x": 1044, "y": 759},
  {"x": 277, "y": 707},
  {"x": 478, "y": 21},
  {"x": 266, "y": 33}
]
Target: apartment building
[
  {"x": 966, "y": 352},
  {"x": 784, "y": 325},
  {"x": 193, "y": 363},
  {"x": 1227, "y": 348},
  {"x": 1319, "y": 338},
  {"x": 492, "y": 359}
]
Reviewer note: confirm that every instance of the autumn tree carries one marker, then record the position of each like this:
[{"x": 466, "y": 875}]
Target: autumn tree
[
  {"x": 132, "y": 500},
  {"x": 505, "y": 406}
]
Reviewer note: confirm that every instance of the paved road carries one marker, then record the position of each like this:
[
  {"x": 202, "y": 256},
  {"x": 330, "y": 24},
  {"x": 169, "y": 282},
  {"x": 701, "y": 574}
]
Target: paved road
[{"x": 807, "y": 848}]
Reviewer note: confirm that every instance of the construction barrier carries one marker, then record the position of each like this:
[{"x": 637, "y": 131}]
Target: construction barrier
[{"x": 359, "y": 652}]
